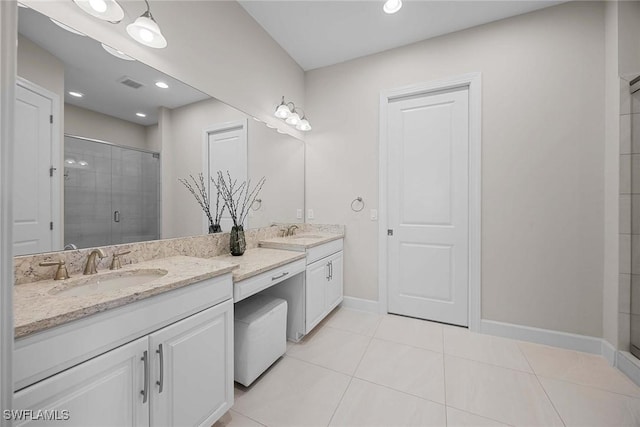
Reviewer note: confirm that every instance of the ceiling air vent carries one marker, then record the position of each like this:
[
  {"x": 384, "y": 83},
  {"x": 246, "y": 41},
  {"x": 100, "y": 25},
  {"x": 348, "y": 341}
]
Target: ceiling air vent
[{"x": 128, "y": 81}]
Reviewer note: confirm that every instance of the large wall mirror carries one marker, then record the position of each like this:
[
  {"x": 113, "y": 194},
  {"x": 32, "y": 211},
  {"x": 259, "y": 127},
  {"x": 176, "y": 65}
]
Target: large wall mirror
[{"x": 103, "y": 139}]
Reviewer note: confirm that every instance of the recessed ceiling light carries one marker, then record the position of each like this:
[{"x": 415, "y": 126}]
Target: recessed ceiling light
[
  {"x": 269, "y": 126},
  {"x": 279, "y": 131},
  {"x": 70, "y": 161},
  {"x": 392, "y": 6},
  {"x": 83, "y": 163},
  {"x": 76, "y": 94},
  {"x": 141, "y": 115},
  {"x": 117, "y": 53},
  {"x": 257, "y": 120},
  {"x": 162, "y": 85},
  {"x": 68, "y": 28}
]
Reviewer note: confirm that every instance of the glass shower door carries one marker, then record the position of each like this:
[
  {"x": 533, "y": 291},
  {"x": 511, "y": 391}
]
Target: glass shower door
[{"x": 112, "y": 194}]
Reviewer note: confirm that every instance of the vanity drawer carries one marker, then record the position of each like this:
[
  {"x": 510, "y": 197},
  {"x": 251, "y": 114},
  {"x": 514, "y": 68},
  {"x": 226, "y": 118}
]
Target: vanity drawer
[
  {"x": 246, "y": 288},
  {"x": 319, "y": 252}
]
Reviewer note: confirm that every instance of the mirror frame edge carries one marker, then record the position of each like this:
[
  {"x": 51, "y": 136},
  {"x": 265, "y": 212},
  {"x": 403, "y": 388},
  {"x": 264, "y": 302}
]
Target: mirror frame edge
[{"x": 8, "y": 59}]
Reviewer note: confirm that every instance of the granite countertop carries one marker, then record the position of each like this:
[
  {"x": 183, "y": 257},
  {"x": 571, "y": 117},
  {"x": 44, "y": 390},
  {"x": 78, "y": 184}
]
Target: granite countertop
[
  {"x": 258, "y": 260},
  {"x": 40, "y": 305},
  {"x": 300, "y": 242}
]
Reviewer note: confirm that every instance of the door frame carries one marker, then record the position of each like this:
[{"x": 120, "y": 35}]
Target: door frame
[
  {"x": 473, "y": 82},
  {"x": 221, "y": 127},
  {"x": 56, "y": 161}
]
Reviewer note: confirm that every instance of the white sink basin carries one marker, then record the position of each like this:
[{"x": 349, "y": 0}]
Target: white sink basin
[
  {"x": 306, "y": 236},
  {"x": 103, "y": 283}
]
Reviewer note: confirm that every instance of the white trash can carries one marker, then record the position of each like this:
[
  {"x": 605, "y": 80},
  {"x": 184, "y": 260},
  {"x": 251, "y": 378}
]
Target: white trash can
[{"x": 260, "y": 336}]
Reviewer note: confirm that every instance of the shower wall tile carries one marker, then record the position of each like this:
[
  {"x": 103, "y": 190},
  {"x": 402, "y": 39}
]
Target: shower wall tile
[
  {"x": 625, "y": 253},
  {"x": 634, "y": 131},
  {"x": 635, "y": 254},
  {"x": 624, "y": 293},
  {"x": 624, "y": 331},
  {"x": 625, "y": 213},
  {"x": 634, "y": 295},
  {"x": 625, "y": 97},
  {"x": 635, "y": 103},
  {"x": 625, "y": 135},
  {"x": 635, "y": 174},
  {"x": 625, "y": 174},
  {"x": 635, "y": 329}
]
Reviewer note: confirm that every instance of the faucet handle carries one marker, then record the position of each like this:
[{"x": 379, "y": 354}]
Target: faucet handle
[
  {"x": 115, "y": 261},
  {"x": 61, "y": 272}
]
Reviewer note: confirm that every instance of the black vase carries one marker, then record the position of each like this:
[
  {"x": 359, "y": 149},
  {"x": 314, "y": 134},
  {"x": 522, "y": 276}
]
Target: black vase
[
  {"x": 237, "y": 243},
  {"x": 215, "y": 228}
]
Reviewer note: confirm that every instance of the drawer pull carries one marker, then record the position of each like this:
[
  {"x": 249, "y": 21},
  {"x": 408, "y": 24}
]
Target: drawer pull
[
  {"x": 160, "y": 383},
  {"x": 280, "y": 276},
  {"x": 145, "y": 392}
]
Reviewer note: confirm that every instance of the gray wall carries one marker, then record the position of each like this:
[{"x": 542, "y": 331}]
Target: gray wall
[{"x": 542, "y": 159}]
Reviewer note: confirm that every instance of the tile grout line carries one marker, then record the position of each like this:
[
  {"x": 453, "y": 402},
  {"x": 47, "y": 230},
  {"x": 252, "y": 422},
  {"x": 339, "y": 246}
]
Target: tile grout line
[
  {"x": 246, "y": 416},
  {"x": 589, "y": 386},
  {"x": 553, "y": 405},
  {"x": 350, "y": 381}
]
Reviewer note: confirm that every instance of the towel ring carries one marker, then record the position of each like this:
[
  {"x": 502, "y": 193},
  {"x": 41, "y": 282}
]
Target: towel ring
[
  {"x": 259, "y": 202},
  {"x": 355, "y": 202}
]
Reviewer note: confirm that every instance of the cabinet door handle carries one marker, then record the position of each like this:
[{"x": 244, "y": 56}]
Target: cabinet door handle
[
  {"x": 116, "y": 216},
  {"x": 160, "y": 383},
  {"x": 280, "y": 276},
  {"x": 330, "y": 270},
  {"x": 145, "y": 391}
]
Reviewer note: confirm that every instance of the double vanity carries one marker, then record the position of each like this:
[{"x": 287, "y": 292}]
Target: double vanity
[{"x": 152, "y": 343}]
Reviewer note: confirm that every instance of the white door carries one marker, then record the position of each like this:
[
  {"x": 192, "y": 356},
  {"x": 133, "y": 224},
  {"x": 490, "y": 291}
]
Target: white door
[
  {"x": 192, "y": 373},
  {"x": 104, "y": 391},
  {"x": 316, "y": 279},
  {"x": 32, "y": 196},
  {"x": 227, "y": 151},
  {"x": 335, "y": 284},
  {"x": 428, "y": 206}
]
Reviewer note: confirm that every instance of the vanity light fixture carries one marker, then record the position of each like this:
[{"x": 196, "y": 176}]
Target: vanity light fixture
[
  {"x": 117, "y": 53},
  {"x": 141, "y": 115},
  {"x": 76, "y": 94},
  {"x": 146, "y": 31},
  {"x": 107, "y": 10},
  {"x": 392, "y": 6},
  {"x": 66, "y": 27},
  {"x": 288, "y": 112},
  {"x": 162, "y": 85}
]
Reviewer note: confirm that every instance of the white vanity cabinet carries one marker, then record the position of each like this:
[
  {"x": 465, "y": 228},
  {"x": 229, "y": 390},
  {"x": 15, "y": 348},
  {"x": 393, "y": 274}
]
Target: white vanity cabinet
[
  {"x": 102, "y": 391},
  {"x": 180, "y": 374},
  {"x": 323, "y": 282}
]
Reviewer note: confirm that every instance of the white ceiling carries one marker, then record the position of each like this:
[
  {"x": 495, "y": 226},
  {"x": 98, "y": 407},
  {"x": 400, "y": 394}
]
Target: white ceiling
[
  {"x": 89, "y": 69},
  {"x": 320, "y": 33}
]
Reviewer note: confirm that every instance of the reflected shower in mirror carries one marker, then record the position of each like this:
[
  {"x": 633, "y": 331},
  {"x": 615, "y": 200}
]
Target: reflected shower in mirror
[{"x": 138, "y": 131}]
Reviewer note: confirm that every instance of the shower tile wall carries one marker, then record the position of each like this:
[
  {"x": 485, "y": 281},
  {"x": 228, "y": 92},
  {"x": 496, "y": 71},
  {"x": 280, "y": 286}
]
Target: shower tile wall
[
  {"x": 629, "y": 285},
  {"x": 630, "y": 299},
  {"x": 109, "y": 179}
]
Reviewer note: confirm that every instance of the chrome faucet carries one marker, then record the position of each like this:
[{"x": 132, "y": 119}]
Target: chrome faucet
[
  {"x": 91, "y": 267},
  {"x": 291, "y": 230}
]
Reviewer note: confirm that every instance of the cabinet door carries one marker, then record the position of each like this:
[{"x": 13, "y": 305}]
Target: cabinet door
[
  {"x": 104, "y": 391},
  {"x": 316, "y": 276},
  {"x": 192, "y": 369},
  {"x": 334, "y": 286}
]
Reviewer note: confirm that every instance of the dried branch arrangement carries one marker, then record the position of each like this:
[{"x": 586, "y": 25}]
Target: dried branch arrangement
[
  {"x": 238, "y": 198},
  {"x": 199, "y": 191}
]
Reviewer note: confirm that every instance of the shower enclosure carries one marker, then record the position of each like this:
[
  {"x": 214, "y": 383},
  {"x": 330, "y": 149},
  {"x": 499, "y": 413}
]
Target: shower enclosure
[
  {"x": 634, "y": 288},
  {"x": 111, "y": 193}
]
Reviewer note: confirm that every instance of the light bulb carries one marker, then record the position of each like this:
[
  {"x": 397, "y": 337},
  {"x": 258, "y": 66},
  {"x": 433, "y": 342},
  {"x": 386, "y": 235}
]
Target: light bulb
[
  {"x": 392, "y": 6},
  {"x": 283, "y": 111},
  {"x": 293, "y": 119},
  {"x": 303, "y": 125},
  {"x": 98, "y": 5},
  {"x": 146, "y": 35},
  {"x": 144, "y": 30},
  {"x": 162, "y": 85}
]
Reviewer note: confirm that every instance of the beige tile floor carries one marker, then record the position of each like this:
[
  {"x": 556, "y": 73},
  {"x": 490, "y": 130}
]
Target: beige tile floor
[{"x": 363, "y": 369}]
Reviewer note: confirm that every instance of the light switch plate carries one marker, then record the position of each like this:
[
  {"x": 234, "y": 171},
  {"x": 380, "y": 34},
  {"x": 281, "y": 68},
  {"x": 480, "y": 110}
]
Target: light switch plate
[
  {"x": 298, "y": 213},
  {"x": 310, "y": 214},
  {"x": 374, "y": 214}
]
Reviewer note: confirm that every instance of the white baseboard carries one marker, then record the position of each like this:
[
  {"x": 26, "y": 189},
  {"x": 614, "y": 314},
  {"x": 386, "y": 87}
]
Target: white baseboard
[
  {"x": 629, "y": 365},
  {"x": 360, "y": 304},
  {"x": 609, "y": 352},
  {"x": 543, "y": 336}
]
